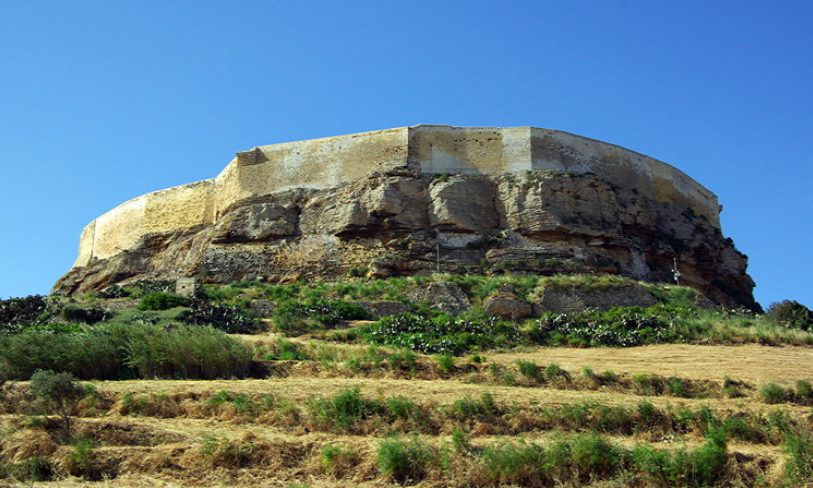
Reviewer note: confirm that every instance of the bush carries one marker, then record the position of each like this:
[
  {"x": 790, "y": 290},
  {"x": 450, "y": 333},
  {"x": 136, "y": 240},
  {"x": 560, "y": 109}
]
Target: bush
[
  {"x": 618, "y": 327},
  {"x": 59, "y": 393},
  {"x": 799, "y": 448},
  {"x": 231, "y": 319},
  {"x": 142, "y": 288},
  {"x": 515, "y": 463},
  {"x": 442, "y": 335},
  {"x": 405, "y": 462},
  {"x": 294, "y": 317},
  {"x": 187, "y": 352},
  {"x": 161, "y": 301},
  {"x": 791, "y": 314},
  {"x": 343, "y": 410},
  {"x": 18, "y": 313},
  {"x": 773, "y": 393},
  {"x": 91, "y": 315},
  {"x": 529, "y": 369},
  {"x": 285, "y": 350}
]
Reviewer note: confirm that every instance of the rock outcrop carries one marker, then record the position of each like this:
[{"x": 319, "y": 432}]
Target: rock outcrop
[{"x": 401, "y": 219}]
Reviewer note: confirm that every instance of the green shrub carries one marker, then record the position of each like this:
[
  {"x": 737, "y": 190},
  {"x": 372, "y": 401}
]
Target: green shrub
[
  {"x": 799, "y": 449},
  {"x": 123, "y": 351},
  {"x": 285, "y": 350},
  {"x": 401, "y": 407},
  {"x": 405, "y": 462},
  {"x": 113, "y": 291},
  {"x": 445, "y": 362},
  {"x": 90, "y": 315},
  {"x": 344, "y": 409},
  {"x": 82, "y": 454},
  {"x": 516, "y": 463},
  {"x": 553, "y": 372},
  {"x": 161, "y": 301},
  {"x": 529, "y": 369},
  {"x": 337, "y": 460},
  {"x": 467, "y": 407},
  {"x": 141, "y": 288},
  {"x": 59, "y": 393},
  {"x": 618, "y": 327},
  {"x": 299, "y": 317},
  {"x": 231, "y": 319},
  {"x": 442, "y": 335},
  {"x": 699, "y": 467},
  {"x": 804, "y": 391},
  {"x": 37, "y": 468},
  {"x": 773, "y": 393},
  {"x": 19, "y": 313},
  {"x": 461, "y": 443},
  {"x": 791, "y": 314},
  {"x": 593, "y": 455}
]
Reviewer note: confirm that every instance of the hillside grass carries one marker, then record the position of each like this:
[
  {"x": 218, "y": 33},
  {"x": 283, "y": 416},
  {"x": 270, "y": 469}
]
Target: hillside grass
[{"x": 319, "y": 394}]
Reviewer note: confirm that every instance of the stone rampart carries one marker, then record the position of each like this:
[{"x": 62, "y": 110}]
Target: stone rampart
[{"x": 335, "y": 161}]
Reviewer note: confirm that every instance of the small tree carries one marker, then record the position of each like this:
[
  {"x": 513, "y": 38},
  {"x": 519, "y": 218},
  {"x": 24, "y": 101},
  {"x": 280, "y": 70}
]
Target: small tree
[
  {"x": 790, "y": 313},
  {"x": 59, "y": 393}
]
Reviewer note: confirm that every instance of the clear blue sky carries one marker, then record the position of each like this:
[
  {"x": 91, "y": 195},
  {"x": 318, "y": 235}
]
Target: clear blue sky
[{"x": 101, "y": 102}]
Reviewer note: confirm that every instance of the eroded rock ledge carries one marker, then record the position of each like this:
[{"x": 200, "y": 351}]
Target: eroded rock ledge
[{"x": 403, "y": 221}]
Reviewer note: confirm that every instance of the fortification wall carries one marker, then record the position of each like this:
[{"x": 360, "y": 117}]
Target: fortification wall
[
  {"x": 558, "y": 150},
  {"x": 470, "y": 150},
  {"x": 319, "y": 163},
  {"x": 334, "y": 161},
  {"x": 165, "y": 210}
]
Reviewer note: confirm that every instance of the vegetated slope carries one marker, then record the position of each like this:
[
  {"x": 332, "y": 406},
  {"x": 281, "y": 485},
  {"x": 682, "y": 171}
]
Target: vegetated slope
[{"x": 326, "y": 406}]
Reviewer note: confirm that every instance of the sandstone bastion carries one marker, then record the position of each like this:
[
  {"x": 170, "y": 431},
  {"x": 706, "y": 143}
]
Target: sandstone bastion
[{"x": 418, "y": 199}]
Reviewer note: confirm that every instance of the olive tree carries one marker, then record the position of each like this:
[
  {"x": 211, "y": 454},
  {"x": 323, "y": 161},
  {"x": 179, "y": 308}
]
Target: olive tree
[{"x": 57, "y": 392}]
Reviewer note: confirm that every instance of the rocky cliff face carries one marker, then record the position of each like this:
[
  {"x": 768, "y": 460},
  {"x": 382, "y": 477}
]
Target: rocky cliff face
[{"x": 402, "y": 222}]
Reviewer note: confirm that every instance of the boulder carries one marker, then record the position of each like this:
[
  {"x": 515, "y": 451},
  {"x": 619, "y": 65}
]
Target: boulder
[
  {"x": 507, "y": 306},
  {"x": 573, "y": 299},
  {"x": 444, "y": 296}
]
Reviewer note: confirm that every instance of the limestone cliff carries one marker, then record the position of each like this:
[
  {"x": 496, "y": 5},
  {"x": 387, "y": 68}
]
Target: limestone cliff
[{"x": 419, "y": 199}]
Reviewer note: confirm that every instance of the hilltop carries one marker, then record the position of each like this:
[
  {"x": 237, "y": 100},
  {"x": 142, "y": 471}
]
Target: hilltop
[{"x": 417, "y": 200}]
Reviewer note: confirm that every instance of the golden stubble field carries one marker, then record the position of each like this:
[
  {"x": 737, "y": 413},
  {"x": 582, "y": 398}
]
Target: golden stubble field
[{"x": 266, "y": 432}]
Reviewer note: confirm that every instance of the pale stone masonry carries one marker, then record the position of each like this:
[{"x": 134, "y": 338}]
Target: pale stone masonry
[{"x": 335, "y": 161}]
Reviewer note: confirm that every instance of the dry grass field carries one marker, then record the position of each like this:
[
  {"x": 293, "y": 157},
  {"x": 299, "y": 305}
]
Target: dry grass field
[
  {"x": 268, "y": 432},
  {"x": 311, "y": 395}
]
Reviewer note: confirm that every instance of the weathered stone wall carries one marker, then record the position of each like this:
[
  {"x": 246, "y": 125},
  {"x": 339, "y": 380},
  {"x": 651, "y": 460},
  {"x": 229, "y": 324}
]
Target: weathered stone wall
[
  {"x": 336, "y": 161},
  {"x": 319, "y": 164},
  {"x": 165, "y": 210}
]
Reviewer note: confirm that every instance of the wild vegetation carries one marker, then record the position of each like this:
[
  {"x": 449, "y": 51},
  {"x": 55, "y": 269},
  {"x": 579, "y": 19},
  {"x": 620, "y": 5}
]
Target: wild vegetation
[{"x": 304, "y": 384}]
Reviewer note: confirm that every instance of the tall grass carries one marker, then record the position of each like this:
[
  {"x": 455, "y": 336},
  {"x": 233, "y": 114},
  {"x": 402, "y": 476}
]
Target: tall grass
[{"x": 122, "y": 351}]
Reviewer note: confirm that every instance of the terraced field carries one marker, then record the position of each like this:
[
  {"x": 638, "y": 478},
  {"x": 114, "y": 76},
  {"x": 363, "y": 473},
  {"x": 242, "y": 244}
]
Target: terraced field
[
  {"x": 327, "y": 425},
  {"x": 318, "y": 402}
]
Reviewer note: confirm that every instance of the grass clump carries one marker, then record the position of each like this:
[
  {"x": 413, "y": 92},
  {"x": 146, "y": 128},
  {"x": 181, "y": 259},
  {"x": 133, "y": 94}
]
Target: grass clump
[
  {"x": 338, "y": 461},
  {"x": 406, "y": 462},
  {"x": 799, "y": 451},
  {"x": 343, "y": 410},
  {"x": 528, "y": 369},
  {"x": 773, "y": 393}
]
